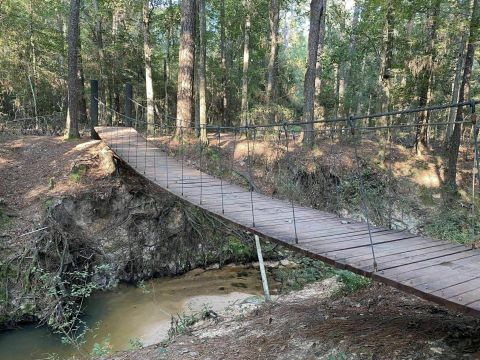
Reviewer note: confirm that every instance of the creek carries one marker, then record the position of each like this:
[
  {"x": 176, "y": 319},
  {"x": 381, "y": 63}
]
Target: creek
[{"x": 131, "y": 315}]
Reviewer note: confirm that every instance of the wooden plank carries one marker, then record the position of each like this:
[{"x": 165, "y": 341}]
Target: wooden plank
[{"x": 406, "y": 261}]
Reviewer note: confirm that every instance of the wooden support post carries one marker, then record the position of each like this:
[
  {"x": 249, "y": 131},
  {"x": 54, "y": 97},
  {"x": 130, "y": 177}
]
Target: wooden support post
[
  {"x": 93, "y": 108},
  {"x": 262, "y": 269}
]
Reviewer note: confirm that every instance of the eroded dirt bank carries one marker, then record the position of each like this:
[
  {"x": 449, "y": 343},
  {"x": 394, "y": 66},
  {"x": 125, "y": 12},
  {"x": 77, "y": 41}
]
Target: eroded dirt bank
[{"x": 75, "y": 220}]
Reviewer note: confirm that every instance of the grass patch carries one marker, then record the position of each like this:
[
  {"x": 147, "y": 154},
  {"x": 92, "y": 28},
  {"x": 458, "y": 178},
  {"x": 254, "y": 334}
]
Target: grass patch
[
  {"x": 307, "y": 272},
  {"x": 77, "y": 173},
  {"x": 238, "y": 250},
  {"x": 453, "y": 224},
  {"x": 182, "y": 323},
  {"x": 351, "y": 282}
]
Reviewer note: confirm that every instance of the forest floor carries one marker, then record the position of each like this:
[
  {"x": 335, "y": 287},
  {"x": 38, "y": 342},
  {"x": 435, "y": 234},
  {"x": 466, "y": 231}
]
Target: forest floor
[
  {"x": 36, "y": 169},
  {"x": 320, "y": 321}
]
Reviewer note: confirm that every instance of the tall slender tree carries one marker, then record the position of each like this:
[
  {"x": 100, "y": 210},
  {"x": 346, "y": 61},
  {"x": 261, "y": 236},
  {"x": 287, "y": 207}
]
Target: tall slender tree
[
  {"x": 223, "y": 56},
  {"x": 202, "y": 84},
  {"x": 186, "y": 58},
  {"x": 246, "y": 62},
  {"x": 272, "y": 59},
  {"x": 474, "y": 36},
  {"x": 316, "y": 13},
  {"x": 73, "y": 39},
  {"x": 318, "y": 66},
  {"x": 147, "y": 54}
]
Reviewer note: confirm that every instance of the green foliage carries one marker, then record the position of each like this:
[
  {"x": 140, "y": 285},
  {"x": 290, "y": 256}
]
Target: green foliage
[
  {"x": 101, "y": 349},
  {"x": 308, "y": 271},
  {"x": 351, "y": 282},
  {"x": 453, "y": 224},
  {"x": 135, "y": 344},
  {"x": 141, "y": 285},
  {"x": 182, "y": 323},
  {"x": 240, "y": 251},
  {"x": 48, "y": 203},
  {"x": 77, "y": 173}
]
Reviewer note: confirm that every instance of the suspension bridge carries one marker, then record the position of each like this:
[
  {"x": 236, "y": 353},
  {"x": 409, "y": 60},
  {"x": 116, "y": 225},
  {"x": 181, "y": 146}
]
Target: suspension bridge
[{"x": 440, "y": 271}]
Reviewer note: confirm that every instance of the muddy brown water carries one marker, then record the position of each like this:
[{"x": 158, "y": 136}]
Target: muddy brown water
[{"x": 131, "y": 314}]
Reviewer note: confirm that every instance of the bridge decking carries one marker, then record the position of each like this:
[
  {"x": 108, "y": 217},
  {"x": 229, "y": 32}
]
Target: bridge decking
[{"x": 445, "y": 273}]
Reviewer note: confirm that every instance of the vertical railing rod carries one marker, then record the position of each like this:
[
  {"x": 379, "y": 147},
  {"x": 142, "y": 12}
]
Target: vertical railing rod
[
  {"x": 154, "y": 154},
  {"x": 221, "y": 168},
  {"x": 250, "y": 171},
  {"x": 166, "y": 154},
  {"x": 475, "y": 170},
  {"x": 291, "y": 195},
  {"x": 362, "y": 191},
  {"x": 183, "y": 152}
]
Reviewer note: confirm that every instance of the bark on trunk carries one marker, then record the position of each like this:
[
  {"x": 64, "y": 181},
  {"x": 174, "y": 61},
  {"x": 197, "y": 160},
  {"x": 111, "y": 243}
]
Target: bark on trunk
[
  {"x": 246, "y": 60},
  {"x": 166, "y": 67},
  {"x": 82, "y": 101},
  {"x": 272, "y": 59},
  {"x": 185, "y": 64},
  {"x": 316, "y": 13},
  {"x": 456, "y": 86},
  {"x": 147, "y": 53},
  {"x": 201, "y": 71},
  {"x": 451, "y": 176},
  {"x": 319, "y": 110},
  {"x": 387, "y": 58},
  {"x": 73, "y": 36},
  {"x": 225, "y": 122},
  {"x": 425, "y": 81}
]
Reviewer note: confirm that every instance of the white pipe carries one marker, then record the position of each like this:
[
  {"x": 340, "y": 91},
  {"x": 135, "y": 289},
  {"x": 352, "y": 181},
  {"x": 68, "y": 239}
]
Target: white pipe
[{"x": 262, "y": 269}]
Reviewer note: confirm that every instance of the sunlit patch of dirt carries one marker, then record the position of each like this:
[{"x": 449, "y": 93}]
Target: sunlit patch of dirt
[{"x": 36, "y": 169}]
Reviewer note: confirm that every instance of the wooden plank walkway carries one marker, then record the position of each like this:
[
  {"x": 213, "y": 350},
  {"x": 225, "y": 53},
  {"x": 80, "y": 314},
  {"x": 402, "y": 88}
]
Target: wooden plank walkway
[{"x": 445, "y": 273}]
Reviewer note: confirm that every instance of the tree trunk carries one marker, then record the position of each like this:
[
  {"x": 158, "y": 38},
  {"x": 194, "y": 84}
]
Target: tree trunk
[
  {"x": 456, "y": 86},
  {"x": 185, "y": 65},
  {"x": 425, "y": 80},
  {"x": 225, "y": 122},
  {"x": 320, "y": 112},
  {"x": 353, "y": 69},
  {"x": 272, "y": 59},
  {"x": 201, "y": 71},
  {"x": 166, "y": 67},
  {"x": 82, "y": 101},
  {"x": 451, "y": 175},
  {"x": 147, "y": 53},
  {"x": 246, "y": 60},
  {"x": 33, "y": 54},
  {"x": 98, "y": 41},
  {"x": 387, "y": 59},
  {"x": 73, "y": 38},
  {"x": 196, "y": 77},
  {"x": 316, "y": 14}
]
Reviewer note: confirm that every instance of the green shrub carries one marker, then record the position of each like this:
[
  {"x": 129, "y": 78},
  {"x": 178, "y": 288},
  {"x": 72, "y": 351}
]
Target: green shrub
[
  {"x": 351, "y": 282},
  {"x": 308, "y": 271}
]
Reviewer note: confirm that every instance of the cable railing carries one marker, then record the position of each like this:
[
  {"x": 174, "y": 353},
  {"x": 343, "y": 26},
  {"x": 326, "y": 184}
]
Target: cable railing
[{"x": 390, "y": 173}]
